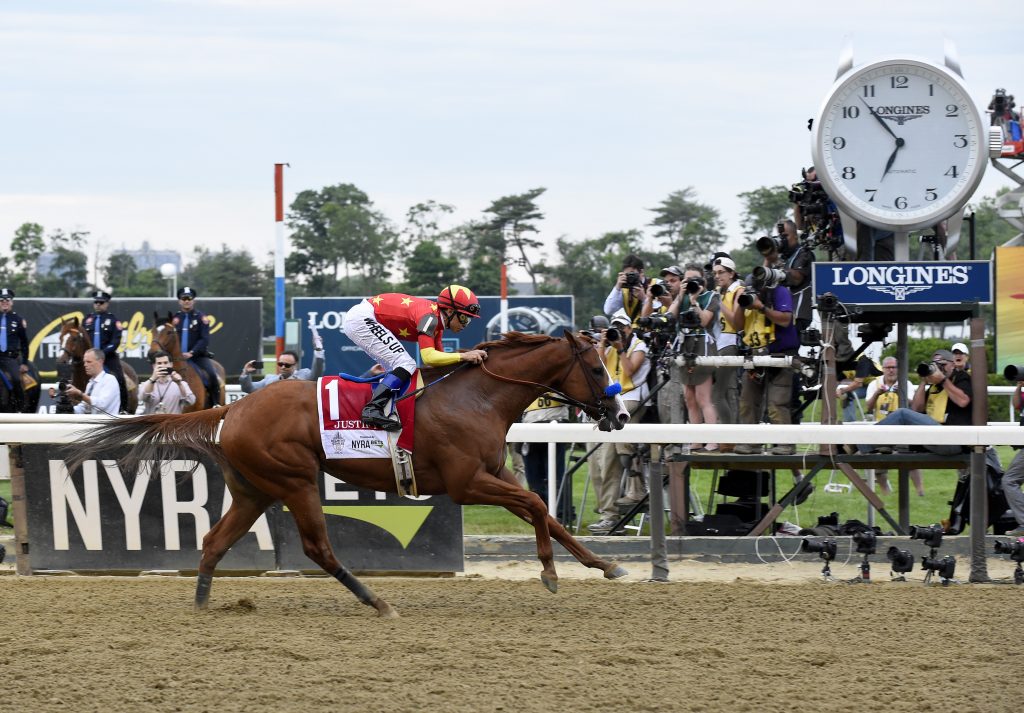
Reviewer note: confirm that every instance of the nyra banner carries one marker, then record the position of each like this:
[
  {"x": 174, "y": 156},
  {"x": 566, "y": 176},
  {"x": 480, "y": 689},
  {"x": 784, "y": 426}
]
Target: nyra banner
[
  {"x": 905, "y": 283},
  {"x": 102, "y": 518},
  {"x": 235, "y": 327}
]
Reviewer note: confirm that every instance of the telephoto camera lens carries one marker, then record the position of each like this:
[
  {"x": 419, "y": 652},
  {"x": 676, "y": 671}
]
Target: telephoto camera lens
[
  {"x": 745, "y": 300},
  {"x": 1014, "y": 372},
  {"x": 931, "y": 534},
  {"x": 658, "y": 290},
  {"x": 926, "y": 368},
  {"x": 612, "y": 334},
  {"x": 767, "y": 243},
  {"x": 694, "y": 285}
]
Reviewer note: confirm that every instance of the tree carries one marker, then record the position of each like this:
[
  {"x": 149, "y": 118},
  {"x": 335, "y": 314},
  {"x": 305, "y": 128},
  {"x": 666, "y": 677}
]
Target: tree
[
  {"x": 513, "y": 218},
  {"x": 336, "y": 232},
  {"x": 26, "y": 247},
  {"x": 690, "y": 230},
  {"x": 428, "y": 269},
  {"x": 423, "y": 220},
  {"x": 120, "y": 272},
  {"x": 763, "y": 208},
  {"x": 69, "y": 275},
  {"x": 226, "y": 273},
  {"x": 990, "y": 231}
]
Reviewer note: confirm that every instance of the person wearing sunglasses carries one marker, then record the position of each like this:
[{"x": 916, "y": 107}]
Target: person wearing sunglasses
[
  {"x": 13, "y": 349},
  {"x": 378, "y": 325},
  {"x": 104, "y": 330},
  {"x": 287, "y": 368},
  {"x": 193, "y": 328}
]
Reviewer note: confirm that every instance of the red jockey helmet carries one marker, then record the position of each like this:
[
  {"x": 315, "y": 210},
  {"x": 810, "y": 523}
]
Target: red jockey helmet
[{"x": 459, "y": 298}]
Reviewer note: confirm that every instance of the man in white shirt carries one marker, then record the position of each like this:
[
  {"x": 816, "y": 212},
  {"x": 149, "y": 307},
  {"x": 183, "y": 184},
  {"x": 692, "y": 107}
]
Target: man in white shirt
[
  {"x": 165, "y": 391},
  {"x": 102, "y": 396}
]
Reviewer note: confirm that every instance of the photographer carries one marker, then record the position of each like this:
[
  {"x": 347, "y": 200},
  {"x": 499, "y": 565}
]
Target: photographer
[
  {"x": 1014, "y": 475},
  {"x": 101, "y": 395},
  {"x": 883, "y": 397},
  {"x": 286, "y": 369},
  {"x": 725, "y": 391},
  {"x": 766, "y": 312},
  {"x": 662, "y": 294},
  {"x": 625, "y": 357},
  {"x": 943, "y": 398},
  {"x": 785, "y": 251},
  {"x": 165, "y": 391},
  {"x": 630, "y": 287},
  {"x": 700, "y": 329}
]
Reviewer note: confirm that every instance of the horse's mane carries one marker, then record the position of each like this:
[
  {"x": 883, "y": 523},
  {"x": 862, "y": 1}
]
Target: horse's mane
[{"x": 508, "y": 340}]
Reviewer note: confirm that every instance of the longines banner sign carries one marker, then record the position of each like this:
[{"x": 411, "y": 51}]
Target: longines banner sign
[
  {"x": 102, "y": 518},
  {"x": 905, "y": 283},
  {"x": 235, "y": 328}
]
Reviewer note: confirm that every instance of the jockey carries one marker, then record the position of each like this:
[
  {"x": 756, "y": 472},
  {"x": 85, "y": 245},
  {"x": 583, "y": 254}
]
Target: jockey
[{"x": 378, "y": 325}]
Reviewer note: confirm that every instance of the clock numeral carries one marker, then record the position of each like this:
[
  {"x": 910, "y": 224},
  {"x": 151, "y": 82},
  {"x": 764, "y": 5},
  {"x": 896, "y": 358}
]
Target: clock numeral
[
  {"x": 900, "y": 202},
  {"x": 900, "y": 81},
  {"x": 839, "y": 142},
  {"x": 869, "y": 90},
  {"x": 931, "y": 90},
  {"x": 851, "y": 112},
  {"x": 930, "y": 194},
  {"x": 952, "y": 172},
  {"x": 960, "y": 140},
  {"x": 871, "y": 192},
  {"x": 848, "y": 172},
  {"x": 952, "y": 110}
]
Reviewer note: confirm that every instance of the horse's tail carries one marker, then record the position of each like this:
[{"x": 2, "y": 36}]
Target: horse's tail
[{"x": 158, "y": 437}]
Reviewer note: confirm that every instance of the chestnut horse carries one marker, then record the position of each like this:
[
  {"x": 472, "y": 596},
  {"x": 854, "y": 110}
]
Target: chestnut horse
[
  {"x": 165, "y": 338},
  {"x": 74, "y": 341},
  {"x": 461, "y": 422}
]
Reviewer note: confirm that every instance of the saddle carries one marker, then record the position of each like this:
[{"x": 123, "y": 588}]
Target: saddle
[{"x": 340, "y": 401}]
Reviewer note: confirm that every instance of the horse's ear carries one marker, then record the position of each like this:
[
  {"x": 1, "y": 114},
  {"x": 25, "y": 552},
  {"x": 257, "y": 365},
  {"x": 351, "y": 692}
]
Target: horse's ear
[{"x": 570, "y": 335}]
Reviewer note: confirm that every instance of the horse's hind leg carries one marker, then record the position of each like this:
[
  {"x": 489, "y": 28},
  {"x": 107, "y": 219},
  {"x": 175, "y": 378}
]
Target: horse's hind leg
[
  {"x": 611, "y": 569},
  {"x": 242, "y": 513},
  {"x": 309, "y": 518}
]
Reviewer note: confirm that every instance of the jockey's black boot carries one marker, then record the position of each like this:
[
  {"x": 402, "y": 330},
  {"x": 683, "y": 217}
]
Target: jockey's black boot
[{"x": 374, "y": 412}]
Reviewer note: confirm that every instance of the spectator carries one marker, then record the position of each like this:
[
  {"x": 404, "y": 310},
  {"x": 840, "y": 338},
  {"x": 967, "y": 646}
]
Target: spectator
[
  {"x": 961, "y": 357},
  {"x": 700, "y": 334},
  {"x": 768, "y": 329},
  {"x": 628, "y": 292},
  {"x": 193, "y": 330},
  {"x": 725, "y": 391},
  {"x": 661, "y": 295},
  {"x": 105, "y": 330},
  {"x": 883, "y": 397},
  {"x": 13, "y": 349},
  {"x": 535, "y": 455},
  {"x": 625, "y": 356},
  {"x": 1014, "y": 475},
  {"x": 165, "y": 391},
  {"x": 286, "y": 369},
  {"x": 944, "y": 398},
  {"x": 101, "y": 395}
]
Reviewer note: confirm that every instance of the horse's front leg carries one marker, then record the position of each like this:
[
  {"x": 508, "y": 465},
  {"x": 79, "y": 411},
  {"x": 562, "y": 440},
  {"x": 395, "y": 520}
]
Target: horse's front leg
[
  {"x": 611, "y": 569},
  {"x": 487, "y": 489}
]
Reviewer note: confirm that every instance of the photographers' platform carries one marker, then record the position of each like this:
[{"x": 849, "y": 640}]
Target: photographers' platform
[{"x": 813, "y": 463}]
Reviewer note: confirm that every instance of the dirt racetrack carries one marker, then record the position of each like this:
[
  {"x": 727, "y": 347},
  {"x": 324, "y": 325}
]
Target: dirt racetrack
[{"x": 717, "y": 638}]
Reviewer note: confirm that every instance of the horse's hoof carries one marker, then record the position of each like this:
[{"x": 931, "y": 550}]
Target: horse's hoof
[
  {"x": 615, "y": 571},
  {"x": 385, "y": 610},
  {"x": 550, "y": 582}
]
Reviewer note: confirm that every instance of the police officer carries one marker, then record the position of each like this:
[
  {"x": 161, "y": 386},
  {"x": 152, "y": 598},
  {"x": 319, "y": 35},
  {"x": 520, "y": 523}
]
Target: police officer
[
  {"x": 105, "y": 331},
  {"x": 193, "y": 328},
  {"x": 13, "y": 349}
]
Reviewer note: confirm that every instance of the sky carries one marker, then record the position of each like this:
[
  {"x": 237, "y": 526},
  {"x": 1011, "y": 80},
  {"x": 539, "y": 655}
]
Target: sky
[{"x": 161, "y": 120}]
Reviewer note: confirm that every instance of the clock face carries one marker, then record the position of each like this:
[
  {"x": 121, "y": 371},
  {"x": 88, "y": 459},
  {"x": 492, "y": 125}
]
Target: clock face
[{"x": 899, "y": 144}]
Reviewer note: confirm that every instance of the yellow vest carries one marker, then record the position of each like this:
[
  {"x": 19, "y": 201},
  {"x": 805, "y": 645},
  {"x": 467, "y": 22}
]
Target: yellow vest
[
  {"x": 885, "y": 403},
  {"x": 543, "y": 402},
  {"x": 758, "y": 331},
  {"x": 614, "y": 364},
  {"x": 936, "y": 403},
  {"x": 729, "y": 300}
]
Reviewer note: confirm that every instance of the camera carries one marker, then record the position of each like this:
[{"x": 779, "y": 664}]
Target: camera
[
  {"x": 257, "y": 365},
  {"x": 866, "y": 542},
  {"x": 810, "y": 337},
  {"x": 1014, "y": 548},
  {"x": 62, "y": 385},
  {"x": 612, "y": 335},
  {"x": 694, "y": 285},
  {"x": 745, "y": 300},
  {"x": 1014, "y": 372},
  {"x": 769, "y": 243},
  {"x": 632, "y": 279},
  {"x": 828, "y": 303},
  {"x": 657, "y": 321},
  {"x": 902, "y": 560},
  {"x": 927, "y": 368},
  {"x": 944, "y": 567},
  {"x": 767, "y": 278},
  {"x": 827, "y": 547},
  {"x": 690, "y": 319},
  {"x": 931, "y": 534},
  {"x": 658, "y": 289}
]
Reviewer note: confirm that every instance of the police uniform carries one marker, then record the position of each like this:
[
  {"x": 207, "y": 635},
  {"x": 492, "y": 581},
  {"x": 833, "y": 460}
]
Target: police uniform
[
  {"x": 193, "y": 330},
  {"x": 13, "y": 352},
  {"x": 105, "y": 332}
]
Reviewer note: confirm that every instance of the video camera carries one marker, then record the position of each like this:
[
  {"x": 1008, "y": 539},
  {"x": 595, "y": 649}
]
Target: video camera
[{"x": 1001, "y": 103}]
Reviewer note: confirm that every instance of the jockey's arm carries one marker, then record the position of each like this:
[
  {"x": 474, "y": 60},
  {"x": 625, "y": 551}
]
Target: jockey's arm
[{"x": 435, "y": 357}]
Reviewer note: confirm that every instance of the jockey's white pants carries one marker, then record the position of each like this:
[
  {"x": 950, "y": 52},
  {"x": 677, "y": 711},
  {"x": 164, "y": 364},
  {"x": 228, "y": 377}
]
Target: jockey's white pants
[{"x": 362, "y": 327}]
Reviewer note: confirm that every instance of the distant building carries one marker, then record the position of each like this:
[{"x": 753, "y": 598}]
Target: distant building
[{"x": 146, "y": 258}]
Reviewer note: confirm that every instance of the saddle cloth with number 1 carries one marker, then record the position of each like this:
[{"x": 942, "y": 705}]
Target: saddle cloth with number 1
[{"x": 343, "y": 434}]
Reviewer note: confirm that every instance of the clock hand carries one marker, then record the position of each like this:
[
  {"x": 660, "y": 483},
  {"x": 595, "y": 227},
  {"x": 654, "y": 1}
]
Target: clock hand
[
  {"x": 892, "y": 158},
  {"x": 879, "y": 119}
]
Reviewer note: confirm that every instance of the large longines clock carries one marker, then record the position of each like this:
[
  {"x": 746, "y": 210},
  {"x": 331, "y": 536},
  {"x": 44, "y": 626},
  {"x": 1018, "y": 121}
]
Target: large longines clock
[{"x": 899, "y": 144}]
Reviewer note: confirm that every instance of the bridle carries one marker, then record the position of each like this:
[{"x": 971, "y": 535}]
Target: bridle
[
  {"x": 77, "y": 334},
  {"x": 597, "y": 392}
]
